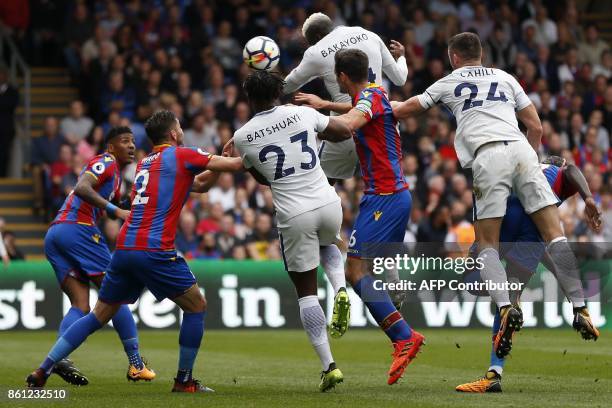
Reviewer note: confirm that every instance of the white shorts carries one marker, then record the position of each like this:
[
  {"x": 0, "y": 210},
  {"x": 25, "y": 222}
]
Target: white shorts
[
  {"x": 302, "y": 235},
  {"x": 504, "y": 168},
  {"x": 338, "y": 160}
]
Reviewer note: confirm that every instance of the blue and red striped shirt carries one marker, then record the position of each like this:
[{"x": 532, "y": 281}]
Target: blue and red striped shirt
[
  {"x": 75, "y": 210},
  {"x": 554, "y": 176},
  {"x": 378, "y": 143},
  {"x": 161, "y": 187}
]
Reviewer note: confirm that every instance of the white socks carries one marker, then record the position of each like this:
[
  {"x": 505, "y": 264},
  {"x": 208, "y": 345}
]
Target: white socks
[
  {"x": 313, "y": 321},
  {"x": 493, "y": 270},
  {"x": 333, "y": 264},
  {"x": 567, "y": 271}
]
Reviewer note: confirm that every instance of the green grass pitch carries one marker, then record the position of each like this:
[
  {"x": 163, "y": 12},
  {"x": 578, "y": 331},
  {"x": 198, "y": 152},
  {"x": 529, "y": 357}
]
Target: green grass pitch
[{"x": 278, "y": 368}]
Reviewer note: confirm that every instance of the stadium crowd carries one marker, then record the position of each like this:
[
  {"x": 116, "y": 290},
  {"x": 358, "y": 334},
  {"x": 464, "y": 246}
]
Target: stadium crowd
[{"x": 131, "y": 58}]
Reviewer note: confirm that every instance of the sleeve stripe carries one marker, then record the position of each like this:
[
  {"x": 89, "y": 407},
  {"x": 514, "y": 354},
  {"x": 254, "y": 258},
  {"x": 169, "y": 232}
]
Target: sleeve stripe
[{"x": 92, "y": 174}]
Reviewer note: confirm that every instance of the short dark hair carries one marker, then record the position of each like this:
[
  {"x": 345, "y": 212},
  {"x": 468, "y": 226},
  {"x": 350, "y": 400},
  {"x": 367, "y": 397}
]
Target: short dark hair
[
  {"x": 158, "y": 125},
  {"x": 467, "y": 45},
  {"x": 353, "y": 62},
  {"x": 116, "y": 131},
  {"x": 263, "y": 87}
]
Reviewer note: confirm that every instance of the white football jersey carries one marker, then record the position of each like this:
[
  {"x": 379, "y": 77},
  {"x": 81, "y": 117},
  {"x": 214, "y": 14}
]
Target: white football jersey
[
  {"x": 318, "y": 61},
  {"x": 484, "y": 102},
  {"x": 280, "y": 143}
]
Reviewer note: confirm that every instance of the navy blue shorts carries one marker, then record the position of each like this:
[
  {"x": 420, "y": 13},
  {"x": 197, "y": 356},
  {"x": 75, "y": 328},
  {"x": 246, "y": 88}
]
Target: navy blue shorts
[
  {"x": 76, "y": 250},
  {"x": 381, "y": 219},
  {"x": 520, "y": 241},
  {"x": 164, "y": 273}
]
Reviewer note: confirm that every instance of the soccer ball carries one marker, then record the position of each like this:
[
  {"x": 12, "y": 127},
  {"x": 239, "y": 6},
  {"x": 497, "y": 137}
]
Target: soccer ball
[{"x": 261, "y": 53}]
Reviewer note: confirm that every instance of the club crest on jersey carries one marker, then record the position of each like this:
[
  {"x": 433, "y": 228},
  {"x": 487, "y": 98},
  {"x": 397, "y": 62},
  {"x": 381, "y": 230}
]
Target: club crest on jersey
[
  {"x": 96, "y": 238},
  {"x": 98, "y": 168},
  {"x": 377, "y": 215},
  {"x": 477, "y": 192}
]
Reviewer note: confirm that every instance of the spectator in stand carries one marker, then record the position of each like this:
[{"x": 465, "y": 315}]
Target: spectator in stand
[
  {"x": 212, "y": 223},
  {"x": 242, "y": 115},
  {"x": 60, "y": 168},
  {"x": 214, "y": 89},
  {"x": 10, "y": 243},
  {"x": 9, "y": 98},
  {"x": 199, "y": 135},
  {"x": 568, "y": 71},
  {"x": 545, "y": 28},
  {"x": 226, "y": 238},
  {"x": 118, "y": 97},
  {"x": 187, "y": 240},
  {"x": 590, "y": 50},
  {"x": 442, "y": 8},
  {"x": 481, "y": 23},
  {"x": 583, "y": 154},
  {"x": 207, "y": 249},
  {"x": 225, "y": 48},
  {"x": 461, "y": 230},
  {"x": 6, "y": 260},
  {"x": 76, "y": 126},
  {"x": 224, "y": 192},
  {"x": 45, "y": 151},
  {"x": 423, "y": 29},
  {"x": 76, "y": 31},
  {"x": 499, "y": 49},
  {"x": 226, "y": 110},
  {"x": 432, "y": 231},
  {"x": 604, "y": 67},
  {"x": 92, "y": 48},
  {"x": 262, "y": 243}
]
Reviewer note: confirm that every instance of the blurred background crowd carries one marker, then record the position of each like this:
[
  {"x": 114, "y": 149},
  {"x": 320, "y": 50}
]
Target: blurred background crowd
[{"x": 130, "y": 58}]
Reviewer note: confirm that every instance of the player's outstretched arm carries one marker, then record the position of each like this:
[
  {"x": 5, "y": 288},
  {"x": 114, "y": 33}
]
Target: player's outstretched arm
[
  {"x": 355, "y": 119},
  {"x": 576, "y": 181},
  {"x": 410, "y": 107},
  {"x": 531, "y": 120},
  {"x": 85, "y": 190},
  {"x": 220, "y": 163},
  {"x": 317, "y": 103},
  {"x": 337, "y": 130},
  {"x": 204, "y": 181}
]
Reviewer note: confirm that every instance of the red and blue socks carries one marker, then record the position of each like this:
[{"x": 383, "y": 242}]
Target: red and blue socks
[{"x": 381, "y": 308}]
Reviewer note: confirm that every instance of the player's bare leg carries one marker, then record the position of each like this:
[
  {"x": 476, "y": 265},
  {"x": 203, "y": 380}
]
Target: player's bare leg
[
  {"x": 566, "y": 267},
  {"x": 313, "y": 320},
  {"x": 406, "y": 341},
  {"x": 193, "y": 304},
  {"x": 72, "y": 339},
  {"x": 125, "y": 326}
]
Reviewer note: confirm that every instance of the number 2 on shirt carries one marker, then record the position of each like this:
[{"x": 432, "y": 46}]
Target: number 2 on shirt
[{"x": 140, "y": 183}]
